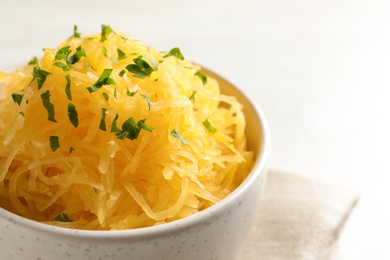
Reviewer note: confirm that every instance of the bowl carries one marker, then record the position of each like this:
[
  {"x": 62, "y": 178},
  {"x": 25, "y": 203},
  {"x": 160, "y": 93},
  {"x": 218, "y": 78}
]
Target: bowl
[{"x": 217, "y": 232}]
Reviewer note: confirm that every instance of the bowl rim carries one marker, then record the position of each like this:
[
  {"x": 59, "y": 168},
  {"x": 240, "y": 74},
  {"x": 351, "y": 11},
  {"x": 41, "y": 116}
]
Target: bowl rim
[{"x": 260, "y": 167}]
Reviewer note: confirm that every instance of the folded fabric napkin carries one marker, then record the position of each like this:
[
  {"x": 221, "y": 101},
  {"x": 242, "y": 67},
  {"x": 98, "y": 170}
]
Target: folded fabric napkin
[{"x": 299, "y": 218}]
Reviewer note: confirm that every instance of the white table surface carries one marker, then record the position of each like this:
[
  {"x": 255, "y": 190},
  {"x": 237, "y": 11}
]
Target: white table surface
[{"x": 320, "y": 71}]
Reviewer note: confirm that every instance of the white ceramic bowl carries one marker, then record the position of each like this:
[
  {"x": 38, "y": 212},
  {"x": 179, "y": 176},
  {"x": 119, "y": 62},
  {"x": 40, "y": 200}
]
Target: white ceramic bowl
[{"x": 215, "y": 233}]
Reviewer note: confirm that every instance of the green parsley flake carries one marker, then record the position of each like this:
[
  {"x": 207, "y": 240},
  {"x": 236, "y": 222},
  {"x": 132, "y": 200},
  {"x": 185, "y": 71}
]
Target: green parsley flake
[
  {"x": 175, "y": 52},
  {"x": 202, "y": 77},
  {"x": 121, "y": 73},
  {"x": 73, "y": 115},
  {"x": 17, "y": 98},
  {"x": 130, "y": 129},
  {"x": 77, "y": 56},
  {"x": 34, "y": 61},
  {"x": 63, "y": 218},
  {"x": 40, "y": 75},
  {"x": 175, "y": 134},
  {"x": 141, "y": 124},
  {"x": 114, "y": 126},
  {"x": 209, "y": 127},
  {"x": 130, "y": 93},
  {"x": 121, "y": 54},
  {"x": 104, "y": 79},
  {"x": 63, "y": 53},
  {"x": 105, "y": 51},
  {"x": 106, "y": 30},
  {"x": 102, "y": 125},
  {"x": 105, "y": 95},
  {"x": 45, "y": 96},
  {"x": 192, "y": 97},
  {"x": 147, "y": 99},
  {"x": 140, "y": 69},
  {"x": 76, "y": 34},
  {"x": 54, "y": 143},
  {"x": 71, "y": 149},
  {"x": 67, "y": 87}
]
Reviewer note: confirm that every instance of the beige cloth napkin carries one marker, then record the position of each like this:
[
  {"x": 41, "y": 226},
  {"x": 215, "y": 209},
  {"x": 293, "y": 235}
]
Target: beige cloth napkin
[{"x": 299, "y": 218}]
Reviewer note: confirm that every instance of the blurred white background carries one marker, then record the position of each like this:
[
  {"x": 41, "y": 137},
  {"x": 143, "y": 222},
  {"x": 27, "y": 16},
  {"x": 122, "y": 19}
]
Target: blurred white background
[{"x": 319, "y": 69}]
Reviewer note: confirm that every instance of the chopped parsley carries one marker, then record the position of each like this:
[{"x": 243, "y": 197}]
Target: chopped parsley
[
  {"x": 147, "y": 100},
  {"x": 67, "y": 87},
  {"x": 102, "y": 125},
  {"x": 209, "y": 126},
  {"x": 34, "y": 61},
  {"x": 54, "y": 143},
  {"x": 63, "y": 218},
  {"x": 73, "y": 115},
  {"x": 202, "y": 77},
  {"x": 130, "y": 129},
  {"x": 76, "y": 34},
  {"x": 77, "y": 56},
  {"x": 105, "y": 51},
  {"x": 131, "y": 93},
  {"x": 175, "y": 134},
  {"x": 121, "y": 73},
  {"x": 105, "y": 95},
  {"x": 45, "y": 96},
  {"x": 175, "y": 52},
  {"x": 104, "y": 79},
  {"x": 140, "y": 68},
  {"x": 40, "y": 75},
  {"x": 114, "y": 126},
  {"x": 17, "y": 98},
  {"x": 63, "y": 54},
  {"x": 192, "y": 97},
  {"x": 121, "y": 54},
  {"x": 106, "y": 30}
]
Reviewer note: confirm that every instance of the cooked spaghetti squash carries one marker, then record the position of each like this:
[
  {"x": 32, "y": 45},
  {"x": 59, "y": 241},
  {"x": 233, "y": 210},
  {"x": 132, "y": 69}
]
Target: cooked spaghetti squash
[{"x": 106, "y": 133}]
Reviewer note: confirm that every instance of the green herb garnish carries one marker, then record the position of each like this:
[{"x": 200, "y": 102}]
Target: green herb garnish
[
  {"x": 192, "y": 97},
  {"x": 121, "y": 73},
  {"x": 202, "y": 77},
  {"x": 34, "y": 61},
  {"x": 140, "y": 68},
  {"x": 40, "y": 75},
  {"x": 209, "y": 127},
  {"x": 121, "y": 54},
  {"x": 77, "y": 56},
  {"x": 131, "y": 129},
  {"x": 67, "y": 87},
  {"x": 73, "y": 115},
  {"x": 175, "y": 52},
  {"x": 45, "y": 96},
  {"x": 175, "y": 134},
  {"x": 76, "y": 34},
  {"x": 106, "y": 30},
  {"x": 105, "y": 95},
  {"x": 54, "y": 143},
  {"x": 63, "y": 218},
  {"x": 147, "y": 100},
  {"x": 114, "y": 126},
  {"x": 141, "y": 124},
  {"x": 102, "y": 125},
  {"x": 104, "y": 79},
  {"x": 130, "y": 93},
  {"x": 17, "y": 98}
]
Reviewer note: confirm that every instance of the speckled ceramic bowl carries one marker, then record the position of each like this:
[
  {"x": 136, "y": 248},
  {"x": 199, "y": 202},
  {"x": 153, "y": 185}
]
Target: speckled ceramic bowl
[{"x": 215, "y": 233}]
